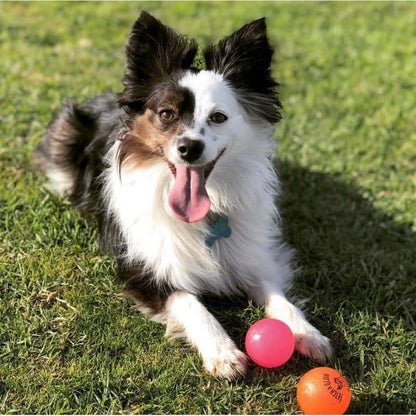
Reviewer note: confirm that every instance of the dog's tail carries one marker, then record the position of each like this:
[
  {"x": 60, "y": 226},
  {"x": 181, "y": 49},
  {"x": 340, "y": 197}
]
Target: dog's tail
[
  {"x": 61, "y": 154},
  {"x": 73, "y": 149}
]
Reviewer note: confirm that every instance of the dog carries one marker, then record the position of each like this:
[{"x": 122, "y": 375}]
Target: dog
[{"x": 177, "y": 170}]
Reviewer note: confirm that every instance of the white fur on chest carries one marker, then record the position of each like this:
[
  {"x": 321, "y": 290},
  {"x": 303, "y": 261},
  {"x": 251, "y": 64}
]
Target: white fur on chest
[{"x": 241, "y": 188}]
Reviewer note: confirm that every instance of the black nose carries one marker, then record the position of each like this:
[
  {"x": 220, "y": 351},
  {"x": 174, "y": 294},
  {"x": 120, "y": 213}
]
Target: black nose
[{"x": 190, "y": 150}]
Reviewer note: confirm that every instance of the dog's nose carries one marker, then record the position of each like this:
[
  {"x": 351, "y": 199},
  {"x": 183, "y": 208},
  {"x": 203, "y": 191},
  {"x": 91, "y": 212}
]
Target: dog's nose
[{"x": 189, "y": 149}]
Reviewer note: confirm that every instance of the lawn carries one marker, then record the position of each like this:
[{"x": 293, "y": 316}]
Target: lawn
[{"x": 347, "y": 159}]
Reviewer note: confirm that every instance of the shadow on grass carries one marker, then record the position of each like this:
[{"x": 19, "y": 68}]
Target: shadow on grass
[
  {"x": 358, "y": 265},
  {"x": 355, "y": 262},
  {"x": 351, "y": 254}
]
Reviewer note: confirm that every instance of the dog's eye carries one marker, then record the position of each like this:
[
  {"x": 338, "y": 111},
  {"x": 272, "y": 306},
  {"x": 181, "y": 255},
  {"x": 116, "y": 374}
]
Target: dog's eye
[
  {"x": 167, "y": 115},
  {"x": 218, "y": 118}
]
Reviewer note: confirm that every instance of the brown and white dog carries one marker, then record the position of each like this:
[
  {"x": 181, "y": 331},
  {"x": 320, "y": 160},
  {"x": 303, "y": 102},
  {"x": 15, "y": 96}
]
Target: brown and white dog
[{"x": 177, "y": 170}]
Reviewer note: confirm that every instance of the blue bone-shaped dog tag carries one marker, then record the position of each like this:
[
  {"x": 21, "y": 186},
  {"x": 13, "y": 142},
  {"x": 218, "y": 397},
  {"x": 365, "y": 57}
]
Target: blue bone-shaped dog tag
[{"x": 219, "y": 229}]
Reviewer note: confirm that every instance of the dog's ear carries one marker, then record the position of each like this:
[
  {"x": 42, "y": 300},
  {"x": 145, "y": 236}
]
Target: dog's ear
[
  {"x": 244, "y": 59},
  {"x": 153, "y": 51}
]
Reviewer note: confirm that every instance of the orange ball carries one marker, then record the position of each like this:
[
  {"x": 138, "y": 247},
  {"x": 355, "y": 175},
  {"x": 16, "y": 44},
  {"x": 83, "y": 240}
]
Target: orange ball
[{"x": 323, "y": 391}]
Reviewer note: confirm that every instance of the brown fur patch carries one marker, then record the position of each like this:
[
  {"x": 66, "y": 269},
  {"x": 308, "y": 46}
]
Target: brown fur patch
[
  {"x": 140, "y": 144},
  {"x": 147, "y": 140},
  {"x": 149, "y": 134}
]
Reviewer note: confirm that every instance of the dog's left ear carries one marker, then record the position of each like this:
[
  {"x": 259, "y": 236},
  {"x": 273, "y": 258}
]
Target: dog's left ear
[
  {"x": 244, "y": 59},
  {"x": 153, "y": 51}
]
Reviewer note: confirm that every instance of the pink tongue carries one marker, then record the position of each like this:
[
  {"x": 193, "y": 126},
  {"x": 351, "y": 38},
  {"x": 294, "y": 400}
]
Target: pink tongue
[{"x": 188, "y": 199}]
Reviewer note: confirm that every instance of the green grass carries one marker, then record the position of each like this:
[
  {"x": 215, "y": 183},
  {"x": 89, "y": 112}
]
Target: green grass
[{"x": 347, "y": 160}]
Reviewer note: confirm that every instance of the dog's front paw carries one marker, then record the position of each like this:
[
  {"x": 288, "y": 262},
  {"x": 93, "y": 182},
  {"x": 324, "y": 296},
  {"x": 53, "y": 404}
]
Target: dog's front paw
[
  {"x": 314, "y": 345},
  {"x": 229, "y": 362}
]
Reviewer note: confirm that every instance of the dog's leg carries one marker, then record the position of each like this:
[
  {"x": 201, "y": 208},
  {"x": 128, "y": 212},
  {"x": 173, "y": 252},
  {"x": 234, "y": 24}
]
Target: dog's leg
[
  {"x": 184, "y": 317},
  {"x": 275, "y": 278},
  {"x": 309, "y": 341},
  {"x": 187, "y": 317}
]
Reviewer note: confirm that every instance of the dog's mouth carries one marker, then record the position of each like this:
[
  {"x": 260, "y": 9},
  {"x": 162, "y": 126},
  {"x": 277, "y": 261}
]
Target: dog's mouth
[{"x": 188, "y": 199}]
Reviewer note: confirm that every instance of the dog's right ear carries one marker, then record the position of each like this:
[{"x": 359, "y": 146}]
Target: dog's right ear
[
  {"x": 244, "y": 59},
  {"x": 153, "y": 51}
]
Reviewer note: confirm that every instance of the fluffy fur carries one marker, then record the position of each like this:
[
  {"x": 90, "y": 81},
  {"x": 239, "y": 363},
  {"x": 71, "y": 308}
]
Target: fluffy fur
[{"x": 160, "y": 162}]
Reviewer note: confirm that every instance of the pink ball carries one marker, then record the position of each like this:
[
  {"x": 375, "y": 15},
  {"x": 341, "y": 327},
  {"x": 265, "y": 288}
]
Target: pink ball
[{"x": 270, "y": 343}]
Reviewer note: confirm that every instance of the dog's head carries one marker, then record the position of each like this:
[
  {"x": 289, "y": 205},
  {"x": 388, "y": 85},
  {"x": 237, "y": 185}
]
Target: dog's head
[{"x": 189, "y": 117}]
